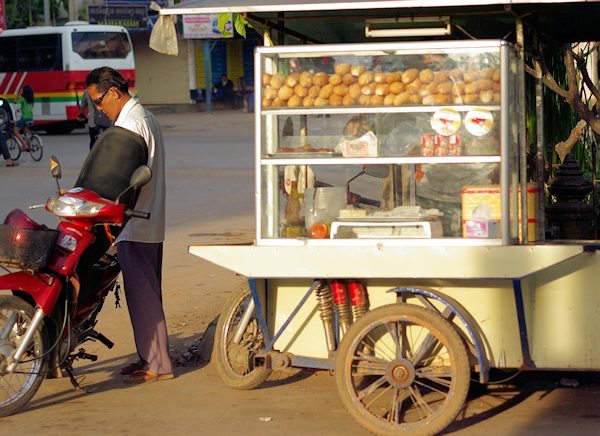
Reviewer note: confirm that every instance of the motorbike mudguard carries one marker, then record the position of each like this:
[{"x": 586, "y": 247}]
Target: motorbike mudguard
[{"x": 43, "y": 289}]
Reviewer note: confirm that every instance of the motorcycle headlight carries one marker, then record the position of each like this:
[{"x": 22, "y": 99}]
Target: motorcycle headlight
[{"x": 66, "y": 206}]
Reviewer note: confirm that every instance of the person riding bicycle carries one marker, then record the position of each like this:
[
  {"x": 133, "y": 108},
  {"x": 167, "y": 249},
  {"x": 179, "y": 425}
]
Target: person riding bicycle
[{"x": 25, "y": 99}]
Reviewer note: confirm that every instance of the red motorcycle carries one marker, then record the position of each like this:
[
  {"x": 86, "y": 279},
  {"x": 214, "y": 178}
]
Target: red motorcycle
[{"x": 57, "y": 281}]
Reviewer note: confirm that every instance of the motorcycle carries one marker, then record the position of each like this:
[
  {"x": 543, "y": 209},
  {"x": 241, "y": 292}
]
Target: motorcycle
[{"x": 57, "y": 281}]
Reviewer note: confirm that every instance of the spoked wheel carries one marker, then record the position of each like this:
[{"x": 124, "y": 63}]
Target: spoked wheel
[
  {"x": 17, "y": 388},
  {"x": 35, "y": 147},
  {"x": 14, "y": 148},
  {"x": 235, "y": 362},
  {"x": 402, "y": 369}
]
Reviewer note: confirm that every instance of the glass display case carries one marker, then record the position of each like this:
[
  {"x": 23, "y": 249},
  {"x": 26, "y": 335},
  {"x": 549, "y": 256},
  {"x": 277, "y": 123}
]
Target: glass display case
[{"x": 400, "y": 142}]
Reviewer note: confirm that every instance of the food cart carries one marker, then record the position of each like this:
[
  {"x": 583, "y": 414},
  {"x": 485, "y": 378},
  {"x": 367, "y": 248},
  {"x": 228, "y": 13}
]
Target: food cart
[{"x": 399, "y": 236}]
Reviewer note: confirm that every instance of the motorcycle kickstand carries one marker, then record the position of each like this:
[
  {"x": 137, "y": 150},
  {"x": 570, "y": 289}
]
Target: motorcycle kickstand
[{"x": 74, "y": 382}]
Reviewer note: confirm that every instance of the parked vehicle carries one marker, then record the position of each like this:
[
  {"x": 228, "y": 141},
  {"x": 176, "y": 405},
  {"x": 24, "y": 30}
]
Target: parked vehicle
[{"x": 57, "y": 282}]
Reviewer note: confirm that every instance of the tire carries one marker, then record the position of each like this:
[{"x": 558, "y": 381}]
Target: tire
[
  {"x": 386, "y": 387},
  {"x": 235, "y": 363},
  {"x": 35, "y": 147},
  {"x": 16, "y": 389},
  {"x": 14, "y": 148}
]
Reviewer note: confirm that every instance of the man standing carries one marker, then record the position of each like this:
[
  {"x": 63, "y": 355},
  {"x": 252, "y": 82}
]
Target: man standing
[{"x": 140, "y": 244}]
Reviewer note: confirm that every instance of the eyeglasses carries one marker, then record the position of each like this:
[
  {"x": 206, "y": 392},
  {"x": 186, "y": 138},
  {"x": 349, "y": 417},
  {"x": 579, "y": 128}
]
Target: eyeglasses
[{"x": 98, "y": 101}]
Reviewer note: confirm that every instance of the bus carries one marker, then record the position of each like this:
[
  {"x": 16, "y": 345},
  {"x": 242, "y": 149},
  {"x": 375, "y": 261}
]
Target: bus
[{"x": 55, "y": 60}]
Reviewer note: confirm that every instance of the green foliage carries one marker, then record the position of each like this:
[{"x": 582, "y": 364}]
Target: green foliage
[
  {"x": 23, "y": 13},
  {"x": 239, "y": 23}
]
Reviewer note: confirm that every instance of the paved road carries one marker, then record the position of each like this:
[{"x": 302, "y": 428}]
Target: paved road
[{"x": 210, "y": 199}]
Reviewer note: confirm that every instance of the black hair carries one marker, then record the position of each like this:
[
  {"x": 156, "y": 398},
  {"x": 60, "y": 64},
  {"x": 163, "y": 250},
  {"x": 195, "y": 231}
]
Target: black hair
[
  {"x": 28, "y": 94},
  {"x": 104, "y": 78}
]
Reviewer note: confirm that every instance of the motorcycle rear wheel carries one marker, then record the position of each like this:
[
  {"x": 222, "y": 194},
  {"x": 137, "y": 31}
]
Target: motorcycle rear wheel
[{"x": 18, "y": 388}]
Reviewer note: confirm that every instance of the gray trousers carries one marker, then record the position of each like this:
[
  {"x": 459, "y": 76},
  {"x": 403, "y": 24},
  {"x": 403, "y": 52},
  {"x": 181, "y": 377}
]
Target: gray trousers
[{"x": 141, "y": 264}]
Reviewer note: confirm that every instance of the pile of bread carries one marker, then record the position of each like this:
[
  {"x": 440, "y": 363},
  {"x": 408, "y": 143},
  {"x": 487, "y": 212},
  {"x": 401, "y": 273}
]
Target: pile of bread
[{"x": 353, "y": 85}]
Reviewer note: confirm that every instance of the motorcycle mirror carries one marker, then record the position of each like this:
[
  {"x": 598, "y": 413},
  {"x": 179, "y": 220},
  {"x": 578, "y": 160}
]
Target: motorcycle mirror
[
  {"x": 140, "y": 177},
  {"x": 55, "y": 169},
  {"x": 379, "y": 171}
]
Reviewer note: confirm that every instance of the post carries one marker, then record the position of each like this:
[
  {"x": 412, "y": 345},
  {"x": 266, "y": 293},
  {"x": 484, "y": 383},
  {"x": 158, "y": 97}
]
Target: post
[{"x": 208, "y": 76}]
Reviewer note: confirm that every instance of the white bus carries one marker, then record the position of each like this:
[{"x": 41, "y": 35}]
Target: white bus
[{"x": 54, "y": 61}]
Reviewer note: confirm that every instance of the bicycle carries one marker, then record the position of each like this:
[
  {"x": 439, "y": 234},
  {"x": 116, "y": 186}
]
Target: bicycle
[{"x": 32, "y": 141}]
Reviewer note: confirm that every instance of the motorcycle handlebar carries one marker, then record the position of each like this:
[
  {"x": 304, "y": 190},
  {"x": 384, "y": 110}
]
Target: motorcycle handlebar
[{"x": 129, "y": 213}]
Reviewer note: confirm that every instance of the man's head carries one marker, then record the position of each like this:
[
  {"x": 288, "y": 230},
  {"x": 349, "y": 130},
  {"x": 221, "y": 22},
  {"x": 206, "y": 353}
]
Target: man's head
[
  {"x": 224, "y": 78},
  {"x": 108, "y": 91}
]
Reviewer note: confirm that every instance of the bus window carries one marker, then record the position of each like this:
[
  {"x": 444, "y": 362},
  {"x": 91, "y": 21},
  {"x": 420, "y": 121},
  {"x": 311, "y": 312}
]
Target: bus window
[
  {"x": 105, "y": 45},
  {"x": 8, "y": 55},
  {"x": 31, "y": 53}
]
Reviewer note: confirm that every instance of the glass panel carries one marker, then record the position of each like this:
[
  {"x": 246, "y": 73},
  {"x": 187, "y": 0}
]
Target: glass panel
[
  {"x": 340, "y": 201},
  {"x": 382, "y": 79},
  {"x": 105, "y": 45},
  {"x": 444, "y": 132}
]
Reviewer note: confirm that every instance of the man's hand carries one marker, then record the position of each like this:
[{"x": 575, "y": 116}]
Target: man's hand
[{"x": 81, "y": 117}]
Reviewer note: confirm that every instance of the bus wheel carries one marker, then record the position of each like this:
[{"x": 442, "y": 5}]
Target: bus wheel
[{"x": 402, "y": 369}]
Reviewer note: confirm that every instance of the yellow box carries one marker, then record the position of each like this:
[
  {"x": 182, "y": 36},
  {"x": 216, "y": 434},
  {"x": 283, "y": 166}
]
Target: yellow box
[{"x": 474, "y": 195}]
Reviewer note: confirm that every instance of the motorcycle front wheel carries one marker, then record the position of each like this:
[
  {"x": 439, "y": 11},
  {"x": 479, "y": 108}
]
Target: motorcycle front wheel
[{"x": 18, "y": 387}]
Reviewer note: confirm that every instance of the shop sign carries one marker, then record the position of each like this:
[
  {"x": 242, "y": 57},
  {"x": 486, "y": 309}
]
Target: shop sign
[
  {"x": 130, "y": 16},
  {"x": 204, "y": 26}
]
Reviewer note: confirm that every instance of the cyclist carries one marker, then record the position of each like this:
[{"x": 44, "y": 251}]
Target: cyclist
[{"x": 25, "y": 99}]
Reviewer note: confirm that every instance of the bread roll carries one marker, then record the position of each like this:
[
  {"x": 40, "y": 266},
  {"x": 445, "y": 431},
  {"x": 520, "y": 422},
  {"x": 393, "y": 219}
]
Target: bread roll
[
  {"x": 320, "y": 79},
  {"x": 363, "y": 100},
  {"x": 470, "y": 98},
  {"x": 485, "y": 84},
  {"x": 326, "y": 91},
  {"x": 348, "y": 79},
  {"x": 429, "y": 89},
  {"x": 357, "y": 70},
  {"x": 354, "y": 90},
  {"x": 441, "y": 76},
  {"x": 415, "y": 86},
  {"x": 402, "y": 99},
  {"x": 388, "y": 100},
  {"x": 320, "y": 102},
  {"x": 348, "y": 100},
  {"x": 335, "y": 100},
  {"x": 342, "y": 69},
  {"x": 270, "y": 93},
  {"x": 496, "y": 86},
  {"x": 335, "y": 79},
  {"x": 300, "y": 91},
  {"x": 486, "y": 73},
  {"x": 266, "y": 79},
  {"x": 445, "y": 87},
  {"x": 379, "y": 77},
  {"x": 486, "y": 96},
  {"x": 294, "y": 101},
  {"x": 428, "y": 100},
  {"x": 471, "y": 75},
  {"x": 458, "y": 88},
  {"x": 426, "y": 75},
  {"x": 472, "y": 88},
  {"x": 376, "y": 100},
  {"x": 266, "y": 102},
  {"x": 277, "y": 81},
  {"x": 366, "y": 90},
  {"x": 308, "y": 101},
  {"x": 277, "y": 103},
  {"x": 292, "y": 80},
  {"x": 382, "y": 89},
  {"x": 340, "y": 89},
  {"x": 440, "y": 99},
  {"x": 395, "y": 76},
  {"x": 284, "y": 93},
  {"x": 410, "y": 75},
  {"x": 313, "y": 91},
  {"x": 305, "y": 79},
  {"x": 366, "y": 78},
  {"x": 496, "y": 97},
  {"x": 496, "y": 75},
  {"x": 414, "y": 99},
  {"x": 397, "y": 87}
]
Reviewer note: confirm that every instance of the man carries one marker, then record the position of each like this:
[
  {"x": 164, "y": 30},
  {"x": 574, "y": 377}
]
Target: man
[
  {"x": 224, "y": 91},
  {"x": 140, "y": 244},
  {"x": 96, "y": 119}
]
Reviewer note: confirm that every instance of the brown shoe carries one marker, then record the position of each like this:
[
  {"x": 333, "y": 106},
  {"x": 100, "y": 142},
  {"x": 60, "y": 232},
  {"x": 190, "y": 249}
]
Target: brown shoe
[
  {"x": 133, "y": 367},
  {"x": 144, "y": 376}
]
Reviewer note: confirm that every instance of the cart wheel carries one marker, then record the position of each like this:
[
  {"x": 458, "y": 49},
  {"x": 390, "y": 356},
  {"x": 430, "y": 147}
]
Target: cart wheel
[
  {"x": 402, "y": 369},
  {"x": 235, "y": 362}
]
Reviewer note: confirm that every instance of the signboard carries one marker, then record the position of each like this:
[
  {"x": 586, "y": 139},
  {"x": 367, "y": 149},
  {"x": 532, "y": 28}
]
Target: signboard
[
  {"x": 204, "y": 26},
  {"x": 130, "y": 16},
  {"x": 2, "y": 17}
]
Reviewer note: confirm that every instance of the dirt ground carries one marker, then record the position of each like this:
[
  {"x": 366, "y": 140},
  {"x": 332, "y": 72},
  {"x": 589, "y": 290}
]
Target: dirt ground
[{"x": 210, "y": 185}]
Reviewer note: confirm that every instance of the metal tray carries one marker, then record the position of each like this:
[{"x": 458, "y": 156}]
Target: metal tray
[{"x": 306, "y": 154}]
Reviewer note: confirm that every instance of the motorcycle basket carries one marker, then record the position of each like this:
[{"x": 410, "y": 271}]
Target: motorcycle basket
[{"x": 25, "y": 248}]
